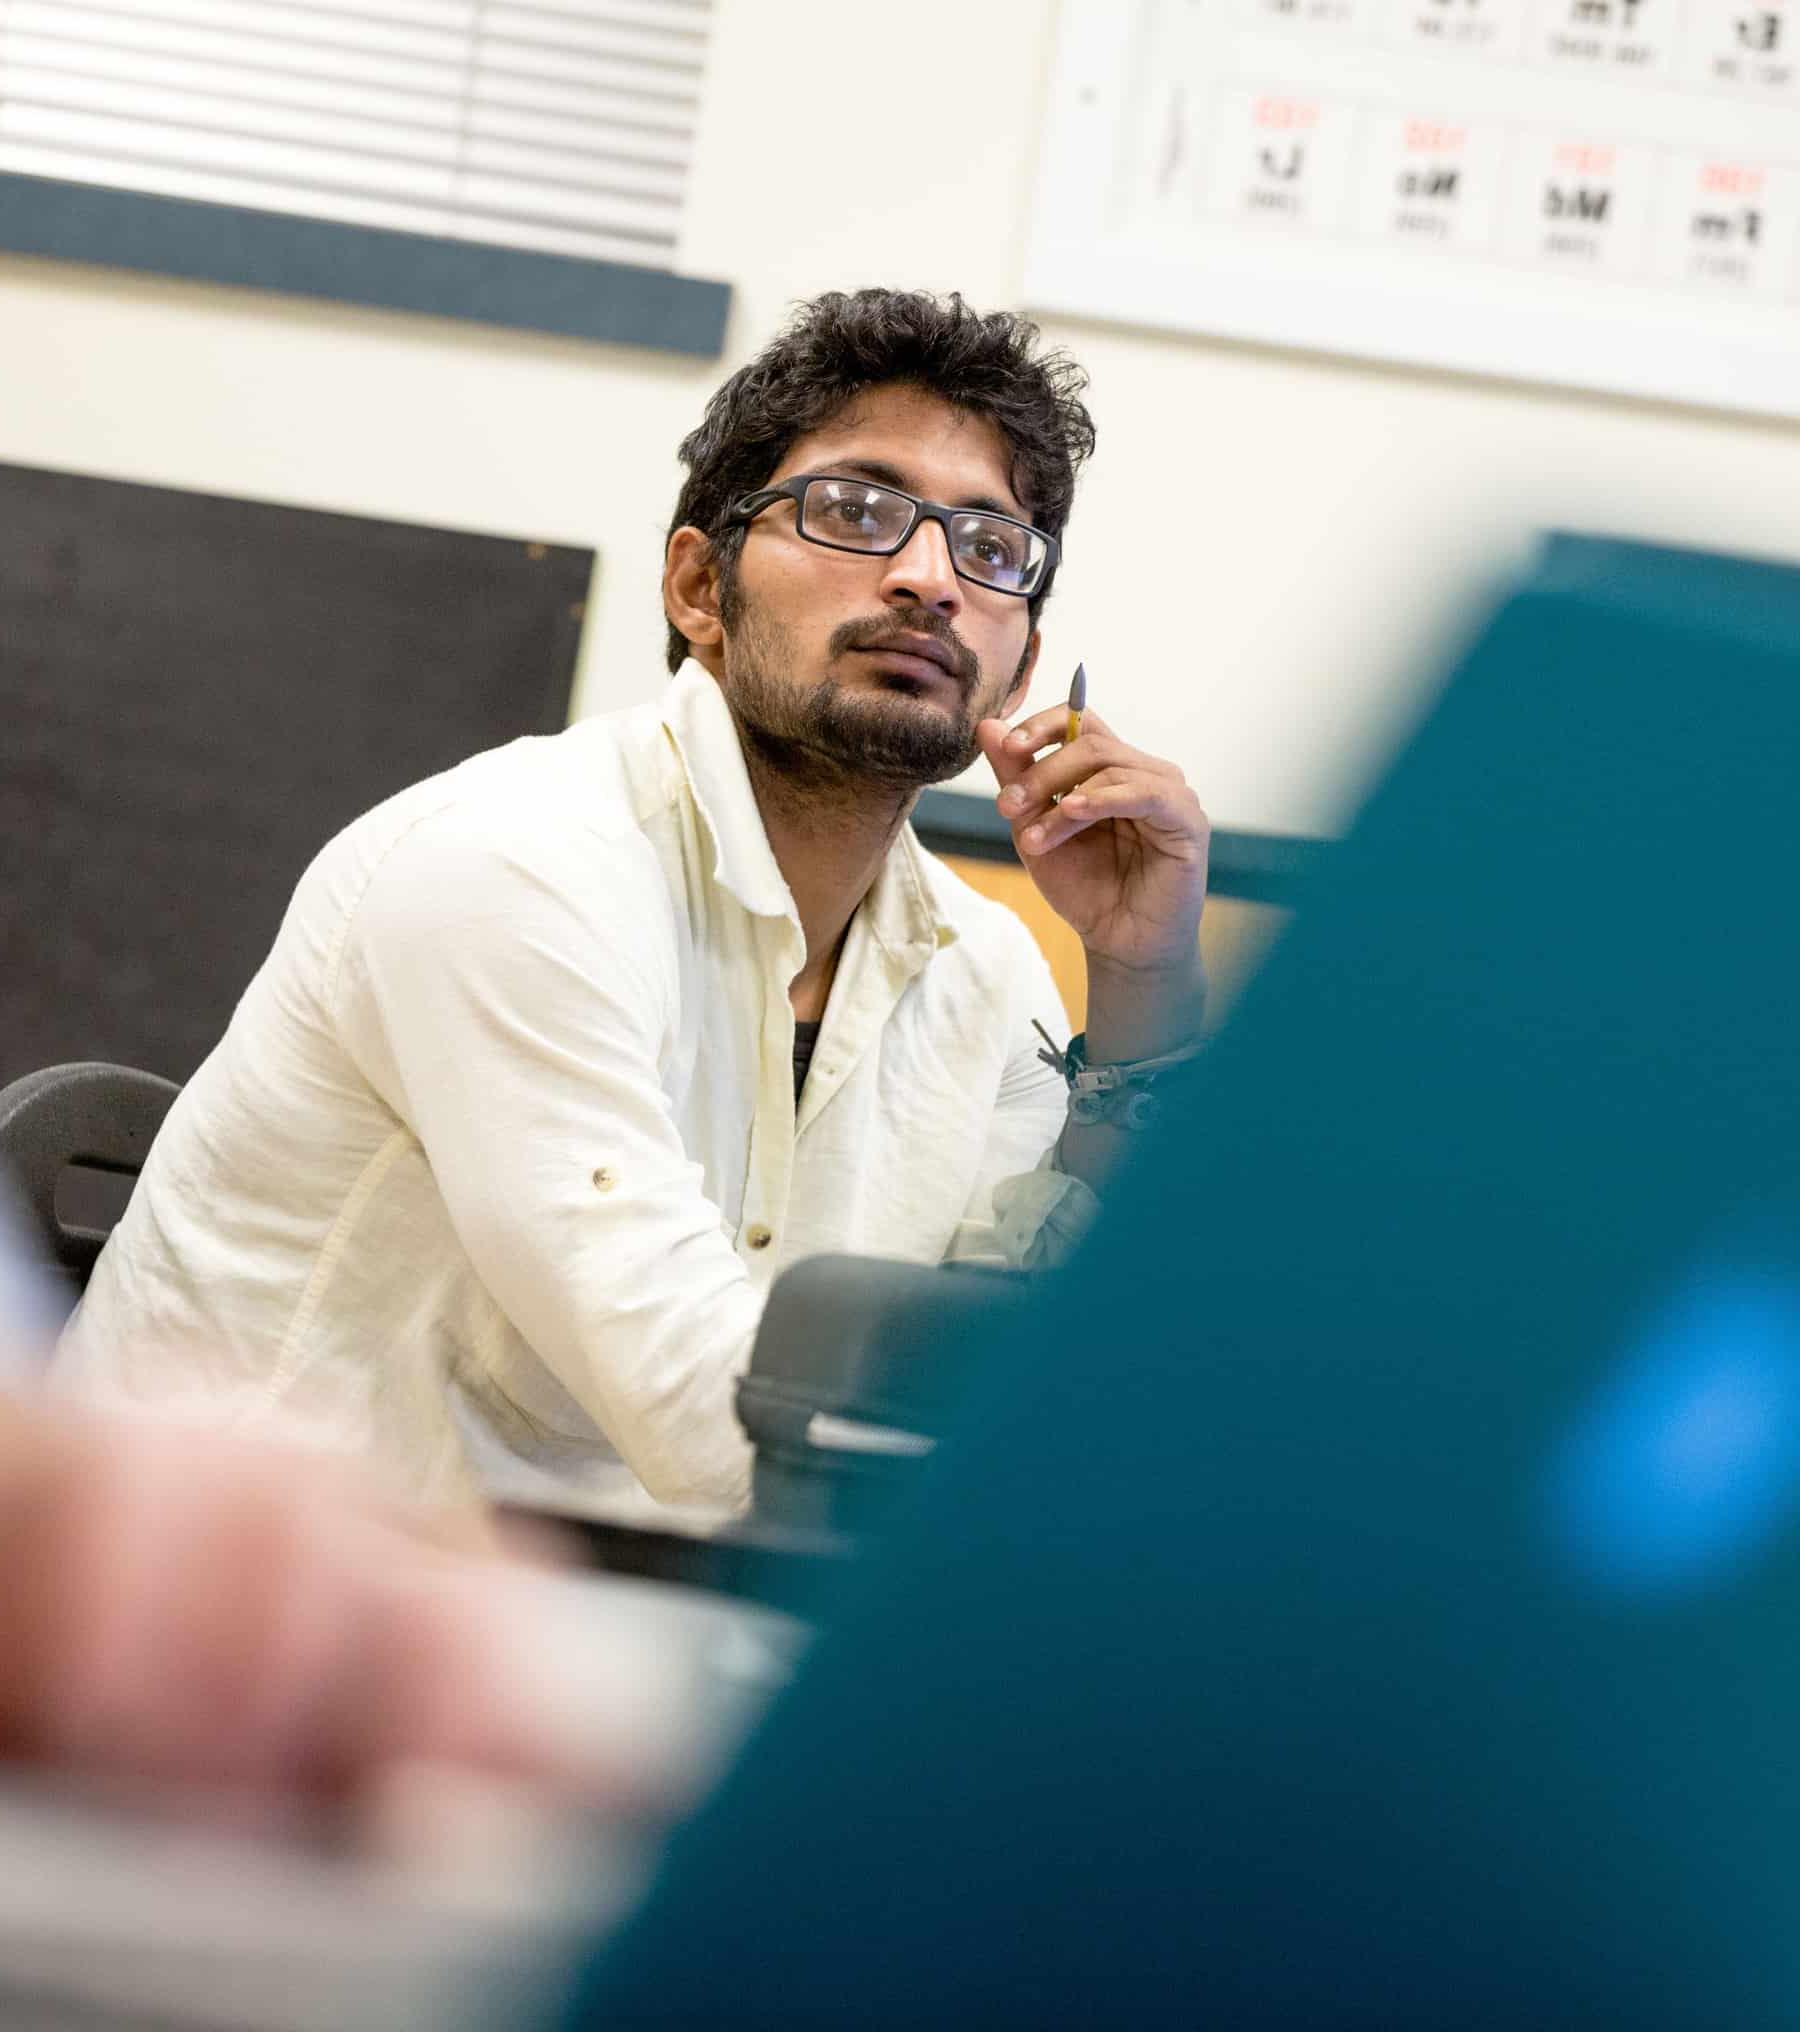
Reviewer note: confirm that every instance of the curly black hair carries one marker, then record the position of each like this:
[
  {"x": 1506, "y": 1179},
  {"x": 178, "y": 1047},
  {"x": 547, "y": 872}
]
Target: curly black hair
[{"x": 845, "y": 341}]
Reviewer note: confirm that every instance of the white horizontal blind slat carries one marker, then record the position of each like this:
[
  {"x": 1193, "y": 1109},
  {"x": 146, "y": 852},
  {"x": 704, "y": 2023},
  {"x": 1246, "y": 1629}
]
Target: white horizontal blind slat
[
  {"x": 622, "y": 113},
  {"x": 269, "y": 33},
  {"x": 509, "y": 62},
  {"x": 677, "y": 53},
  {"x": 44, "y": 62},
  {"x": 564, "y": 127},
  {"x": 443, "y": 14},
  {"x": 94, "y": 28},
  {"x": 238, "y": 155},
  {"x": 171, "y": 113},
  {"x": 576, "y": 168},
  {"x": 653, "y": 153},
  {"x": 670, "y": 19}
]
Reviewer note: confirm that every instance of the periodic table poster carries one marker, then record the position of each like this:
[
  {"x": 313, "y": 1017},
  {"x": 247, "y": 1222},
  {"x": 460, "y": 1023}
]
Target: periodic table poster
[{"x": 1597, "y": 193}]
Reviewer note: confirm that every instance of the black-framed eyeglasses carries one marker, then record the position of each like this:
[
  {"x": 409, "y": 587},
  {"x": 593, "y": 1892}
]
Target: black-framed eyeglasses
[{"x": 995, "y": 551}]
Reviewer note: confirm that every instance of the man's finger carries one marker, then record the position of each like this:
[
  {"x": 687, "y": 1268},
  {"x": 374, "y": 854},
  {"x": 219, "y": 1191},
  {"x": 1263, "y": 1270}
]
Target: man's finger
[
  {"x": 1147, "y": 800},
  {"x": 1055, "y": 775},
  {"x": 1096, "y": 754},
  {"x": 1047, "y": 729},
  {"x": 1007, "y": 764}
]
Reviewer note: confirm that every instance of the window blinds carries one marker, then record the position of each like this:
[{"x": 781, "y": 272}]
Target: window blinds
[{"x": 561, "y": 127}]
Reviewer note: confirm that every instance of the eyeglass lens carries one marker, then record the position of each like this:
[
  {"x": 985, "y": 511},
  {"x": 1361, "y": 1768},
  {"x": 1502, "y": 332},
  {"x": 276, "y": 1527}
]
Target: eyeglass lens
[{"x": 853, "y": 515}]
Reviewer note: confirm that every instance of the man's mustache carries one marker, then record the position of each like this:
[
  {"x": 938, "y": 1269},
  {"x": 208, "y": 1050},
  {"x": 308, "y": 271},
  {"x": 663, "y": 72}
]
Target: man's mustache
[{"x": 883, "y": 631}]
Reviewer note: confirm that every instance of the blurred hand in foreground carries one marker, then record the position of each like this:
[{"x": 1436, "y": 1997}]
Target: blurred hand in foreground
[{"x": 264, "y": 1630}]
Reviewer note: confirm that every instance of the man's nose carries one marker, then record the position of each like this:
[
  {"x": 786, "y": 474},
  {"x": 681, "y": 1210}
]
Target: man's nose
[{"x": 920, "y": 570}]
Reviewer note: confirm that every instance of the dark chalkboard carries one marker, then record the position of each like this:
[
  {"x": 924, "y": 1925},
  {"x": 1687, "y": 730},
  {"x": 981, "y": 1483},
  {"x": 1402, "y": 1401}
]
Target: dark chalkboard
[{"x": 195, "y": 693}]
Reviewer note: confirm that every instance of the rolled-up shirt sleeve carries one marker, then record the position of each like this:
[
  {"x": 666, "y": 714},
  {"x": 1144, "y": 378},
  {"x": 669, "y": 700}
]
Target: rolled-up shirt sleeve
[{"x": 512, "y": 1019}]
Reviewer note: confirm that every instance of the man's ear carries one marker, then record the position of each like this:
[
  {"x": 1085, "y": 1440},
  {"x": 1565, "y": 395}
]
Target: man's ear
[
  {"x": 691, "y": 595},
  {"x": 1027, "y": 664}
]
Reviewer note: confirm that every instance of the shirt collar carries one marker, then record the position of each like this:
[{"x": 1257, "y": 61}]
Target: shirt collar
[
  {"x": 706, "y": 738},
  {"x": 903, "y": 910}
]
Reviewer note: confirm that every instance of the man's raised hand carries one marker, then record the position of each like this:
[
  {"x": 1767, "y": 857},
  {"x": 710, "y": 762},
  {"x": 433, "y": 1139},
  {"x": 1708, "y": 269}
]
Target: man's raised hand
[{"x": 1114, "y": 838}]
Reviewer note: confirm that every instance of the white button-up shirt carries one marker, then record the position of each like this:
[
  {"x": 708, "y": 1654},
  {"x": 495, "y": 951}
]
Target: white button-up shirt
[{"x": 499, "y": 1155}]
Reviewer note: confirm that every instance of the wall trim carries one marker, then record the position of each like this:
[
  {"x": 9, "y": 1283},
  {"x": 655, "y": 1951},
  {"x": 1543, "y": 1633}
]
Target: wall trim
[{"x": 205, "y": 242}]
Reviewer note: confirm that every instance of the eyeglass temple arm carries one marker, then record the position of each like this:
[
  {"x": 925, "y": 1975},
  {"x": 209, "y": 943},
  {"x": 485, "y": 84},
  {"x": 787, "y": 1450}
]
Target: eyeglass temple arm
[{"x": 753, "y": 504}]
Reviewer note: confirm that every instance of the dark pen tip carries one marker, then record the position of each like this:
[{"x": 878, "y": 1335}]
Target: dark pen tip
[{"x": 1078, "y": 688}]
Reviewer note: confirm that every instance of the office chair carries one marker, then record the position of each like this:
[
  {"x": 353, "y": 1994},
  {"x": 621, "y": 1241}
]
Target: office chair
[
  {"x": 84, "y": 1117},
  {"x": 852, "y": 1379}
]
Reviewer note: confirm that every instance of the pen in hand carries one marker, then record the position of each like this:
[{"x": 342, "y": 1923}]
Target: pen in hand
[{"x": 1077, "y": 706}]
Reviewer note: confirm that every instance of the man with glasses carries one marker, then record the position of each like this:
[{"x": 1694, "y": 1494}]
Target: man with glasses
[{"x": 559, "y": 1057}]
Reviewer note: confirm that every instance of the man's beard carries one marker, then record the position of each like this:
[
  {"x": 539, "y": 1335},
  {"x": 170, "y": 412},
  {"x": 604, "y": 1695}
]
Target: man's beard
[{"x": 825, "y": 729}]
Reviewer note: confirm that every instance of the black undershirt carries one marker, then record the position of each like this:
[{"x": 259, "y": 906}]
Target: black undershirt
[{"x": 806, "y": 1035}]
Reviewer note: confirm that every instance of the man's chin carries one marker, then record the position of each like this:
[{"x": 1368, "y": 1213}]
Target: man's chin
[{"x": 898, "y": 736}]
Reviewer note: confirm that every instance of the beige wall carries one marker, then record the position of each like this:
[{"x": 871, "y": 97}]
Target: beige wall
[{"x": 1342, "y": 520}]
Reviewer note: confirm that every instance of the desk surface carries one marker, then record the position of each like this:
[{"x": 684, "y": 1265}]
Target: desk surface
[{"x": 111, "y": 1919}]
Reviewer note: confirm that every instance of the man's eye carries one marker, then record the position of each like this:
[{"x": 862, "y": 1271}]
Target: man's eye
[
  {"x": 997, "y": 551},
  {"x": 851, "y": 516}
]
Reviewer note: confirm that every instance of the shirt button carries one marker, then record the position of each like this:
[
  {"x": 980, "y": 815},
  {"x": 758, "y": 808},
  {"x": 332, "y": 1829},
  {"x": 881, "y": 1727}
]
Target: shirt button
[
  {"x": 759, "y": 1237},
  {"x": 605, "y": 1179}
]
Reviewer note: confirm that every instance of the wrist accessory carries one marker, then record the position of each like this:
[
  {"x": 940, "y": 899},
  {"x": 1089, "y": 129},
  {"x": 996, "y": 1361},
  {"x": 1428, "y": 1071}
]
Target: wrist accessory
[{"x": 1119, "y": 1094}]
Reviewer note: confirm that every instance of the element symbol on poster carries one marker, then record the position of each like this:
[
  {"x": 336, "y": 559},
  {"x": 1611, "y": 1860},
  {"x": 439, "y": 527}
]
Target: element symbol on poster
[
  {"x": 1581, "y": 205},
  {"x": 1729, "y": 226},
  {"x": 1430, "y": 182},
  {"x": 1745, "y": 45},
  {"x": 1280, "y": 159}
]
